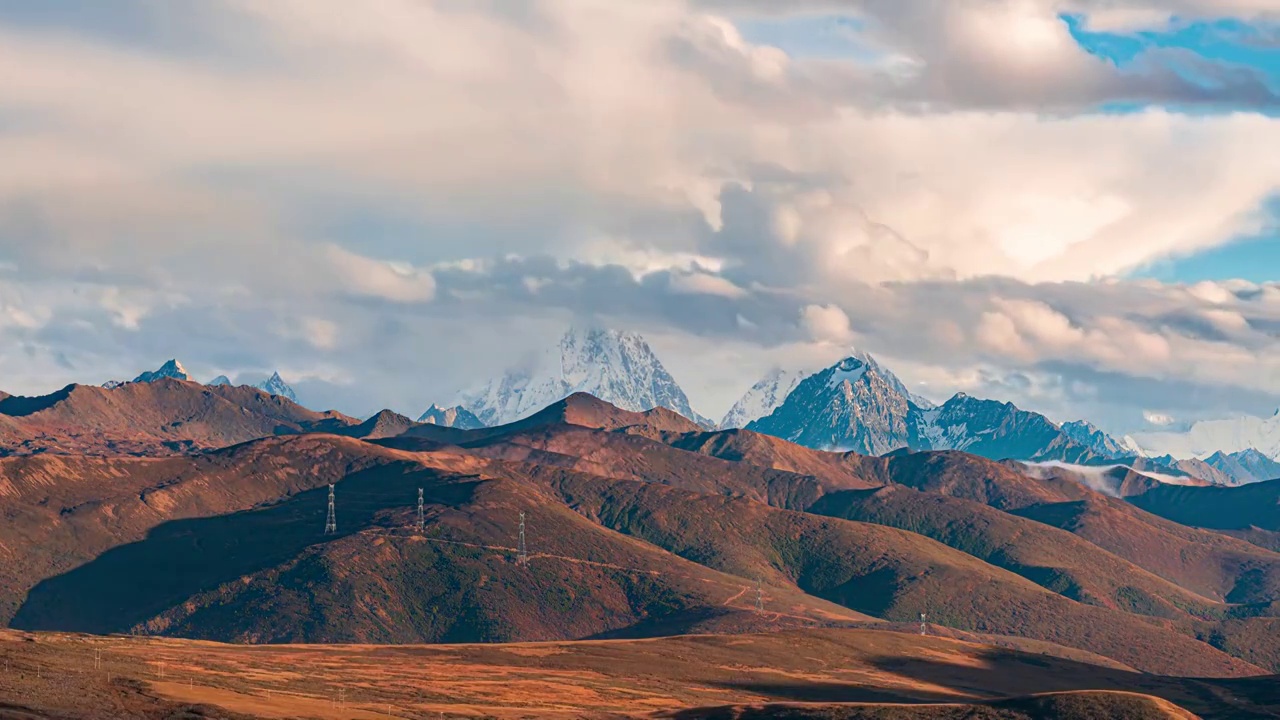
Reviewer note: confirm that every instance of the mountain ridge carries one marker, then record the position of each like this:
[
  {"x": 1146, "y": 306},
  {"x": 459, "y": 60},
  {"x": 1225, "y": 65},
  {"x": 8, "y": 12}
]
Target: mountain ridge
[{"x": 858, "y": 405}]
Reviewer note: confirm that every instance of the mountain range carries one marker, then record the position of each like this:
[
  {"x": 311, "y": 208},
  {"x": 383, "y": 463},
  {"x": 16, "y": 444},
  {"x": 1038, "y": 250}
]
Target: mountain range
[
  {"x": 856, "y": 404},
  {"x": 454, "y": 417},
  {"x": 180, "y": 509},
  {"x": 173, "y": 369}
]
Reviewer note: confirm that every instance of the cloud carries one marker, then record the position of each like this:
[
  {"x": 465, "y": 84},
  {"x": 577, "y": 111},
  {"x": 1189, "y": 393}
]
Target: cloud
[
  {"x": 826, "y": 324},
  {"x": 1021, "y": 53},
  {"x": 290, "y": 184},
  {"x": 699, "y": 283},
  {"x": 397, "y": 282},
  {"x": 1158, "y": 419}
]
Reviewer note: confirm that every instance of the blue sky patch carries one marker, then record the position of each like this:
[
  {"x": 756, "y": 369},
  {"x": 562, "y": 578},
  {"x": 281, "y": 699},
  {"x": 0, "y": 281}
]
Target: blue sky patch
[
  {"x": 1228, "y": 45},
  {"x": 1255, "y": 258}
]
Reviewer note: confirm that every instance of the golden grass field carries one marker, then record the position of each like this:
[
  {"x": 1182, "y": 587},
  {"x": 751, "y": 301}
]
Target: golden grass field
[{"x": 802, "y": 671}]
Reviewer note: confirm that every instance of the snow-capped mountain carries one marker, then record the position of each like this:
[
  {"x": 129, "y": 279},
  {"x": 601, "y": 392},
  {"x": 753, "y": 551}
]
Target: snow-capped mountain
[
  {"x": 617, "y": 367},
  {"x": 220, "y": 380},
  {"x": 859, "y": 405},
  {"x": 1099, "y": 442},
  {"x": 275, "y": 385},
  {"x": 763, "y": 397},
  {"x": 996, "y": 430},
  {"x": 454, "y": 417},
  {"x": 171, "y": 369},
  {"x": 1207, "y": 437},
  {"x": 852, "y": 405}
]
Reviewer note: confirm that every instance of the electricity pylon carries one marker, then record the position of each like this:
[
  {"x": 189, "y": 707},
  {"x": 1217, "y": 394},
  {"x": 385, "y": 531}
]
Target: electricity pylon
[{"x": 331, "y": 523}]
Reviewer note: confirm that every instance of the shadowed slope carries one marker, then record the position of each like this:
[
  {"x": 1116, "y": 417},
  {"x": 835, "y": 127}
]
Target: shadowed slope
[
  {"x": 881, "y": 571},
  {"x": 63, "y": 511},
  {"x": 1253, "y": 506},
  {"x": 1048, "y": 556},
  {"x": 1059, "y": 706},
  {"x": 1207, "y": 563},
  {"x": 267, "y": 574}
]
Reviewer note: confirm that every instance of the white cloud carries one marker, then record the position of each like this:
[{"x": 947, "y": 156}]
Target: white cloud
[
  {"x": 384, "y": 170},
  {"x": 700, "y": 283},
  {"x": 826, "y": 323},
  {"x": 1159, "y": 419},
  {"x": 397, "y": 282}
]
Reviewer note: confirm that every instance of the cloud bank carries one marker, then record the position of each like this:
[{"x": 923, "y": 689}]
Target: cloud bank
[{"x": 388, "y": 205}]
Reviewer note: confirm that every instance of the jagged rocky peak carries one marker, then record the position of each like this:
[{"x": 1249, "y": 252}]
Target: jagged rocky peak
[
  {"x": 615, "y": 366},
  {"x": 454, "y": 417},
  {"x": 854, "y": 404},
  {"x": 1246, "y": 466},
  {"x": 773, "y": 389},
  {"x": 1094, "y": 438},
  {"x": 171, "y": 369},
  {"x": 859, "y": 405},
  {"x": 275, "y": 385}
]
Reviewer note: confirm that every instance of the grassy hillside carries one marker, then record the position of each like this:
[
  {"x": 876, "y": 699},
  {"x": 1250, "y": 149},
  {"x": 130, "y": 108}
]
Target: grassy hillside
[
  {"x": 1208, "y": 563},
  {"x": 269, "y": 575},
  {"x": 638, "y": 526},
  {"x": 878, "y": 570},
  {"x": 61, "y": 512}
]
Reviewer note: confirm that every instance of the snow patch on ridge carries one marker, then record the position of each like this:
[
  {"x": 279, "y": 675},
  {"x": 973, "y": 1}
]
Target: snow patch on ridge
[{"x": 850, "y": 370}]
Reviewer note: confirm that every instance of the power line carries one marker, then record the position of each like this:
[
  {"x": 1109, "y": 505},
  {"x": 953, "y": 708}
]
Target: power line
[{"x": 331, "y": 523}]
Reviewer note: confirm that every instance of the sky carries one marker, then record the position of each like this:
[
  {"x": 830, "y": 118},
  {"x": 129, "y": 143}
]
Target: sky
[{"x": 1073, "y": 205}]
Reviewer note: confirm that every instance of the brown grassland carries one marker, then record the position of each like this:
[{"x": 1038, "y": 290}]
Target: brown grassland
[{"x": 846, "y": 673}]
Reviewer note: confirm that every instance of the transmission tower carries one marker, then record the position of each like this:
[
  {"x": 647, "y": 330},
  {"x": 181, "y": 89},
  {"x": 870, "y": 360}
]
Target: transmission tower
[
  {"x": 421, "y": 522},
  {"x": 759, "y": 598},
  {"x": 924, "y": 624},
  {"x": 522, "y": 555},
  {"x": 331, "y": 523}
]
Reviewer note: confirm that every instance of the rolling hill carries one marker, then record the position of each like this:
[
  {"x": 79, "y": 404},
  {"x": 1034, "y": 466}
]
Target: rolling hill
[{"x": 640, "y": 524}]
